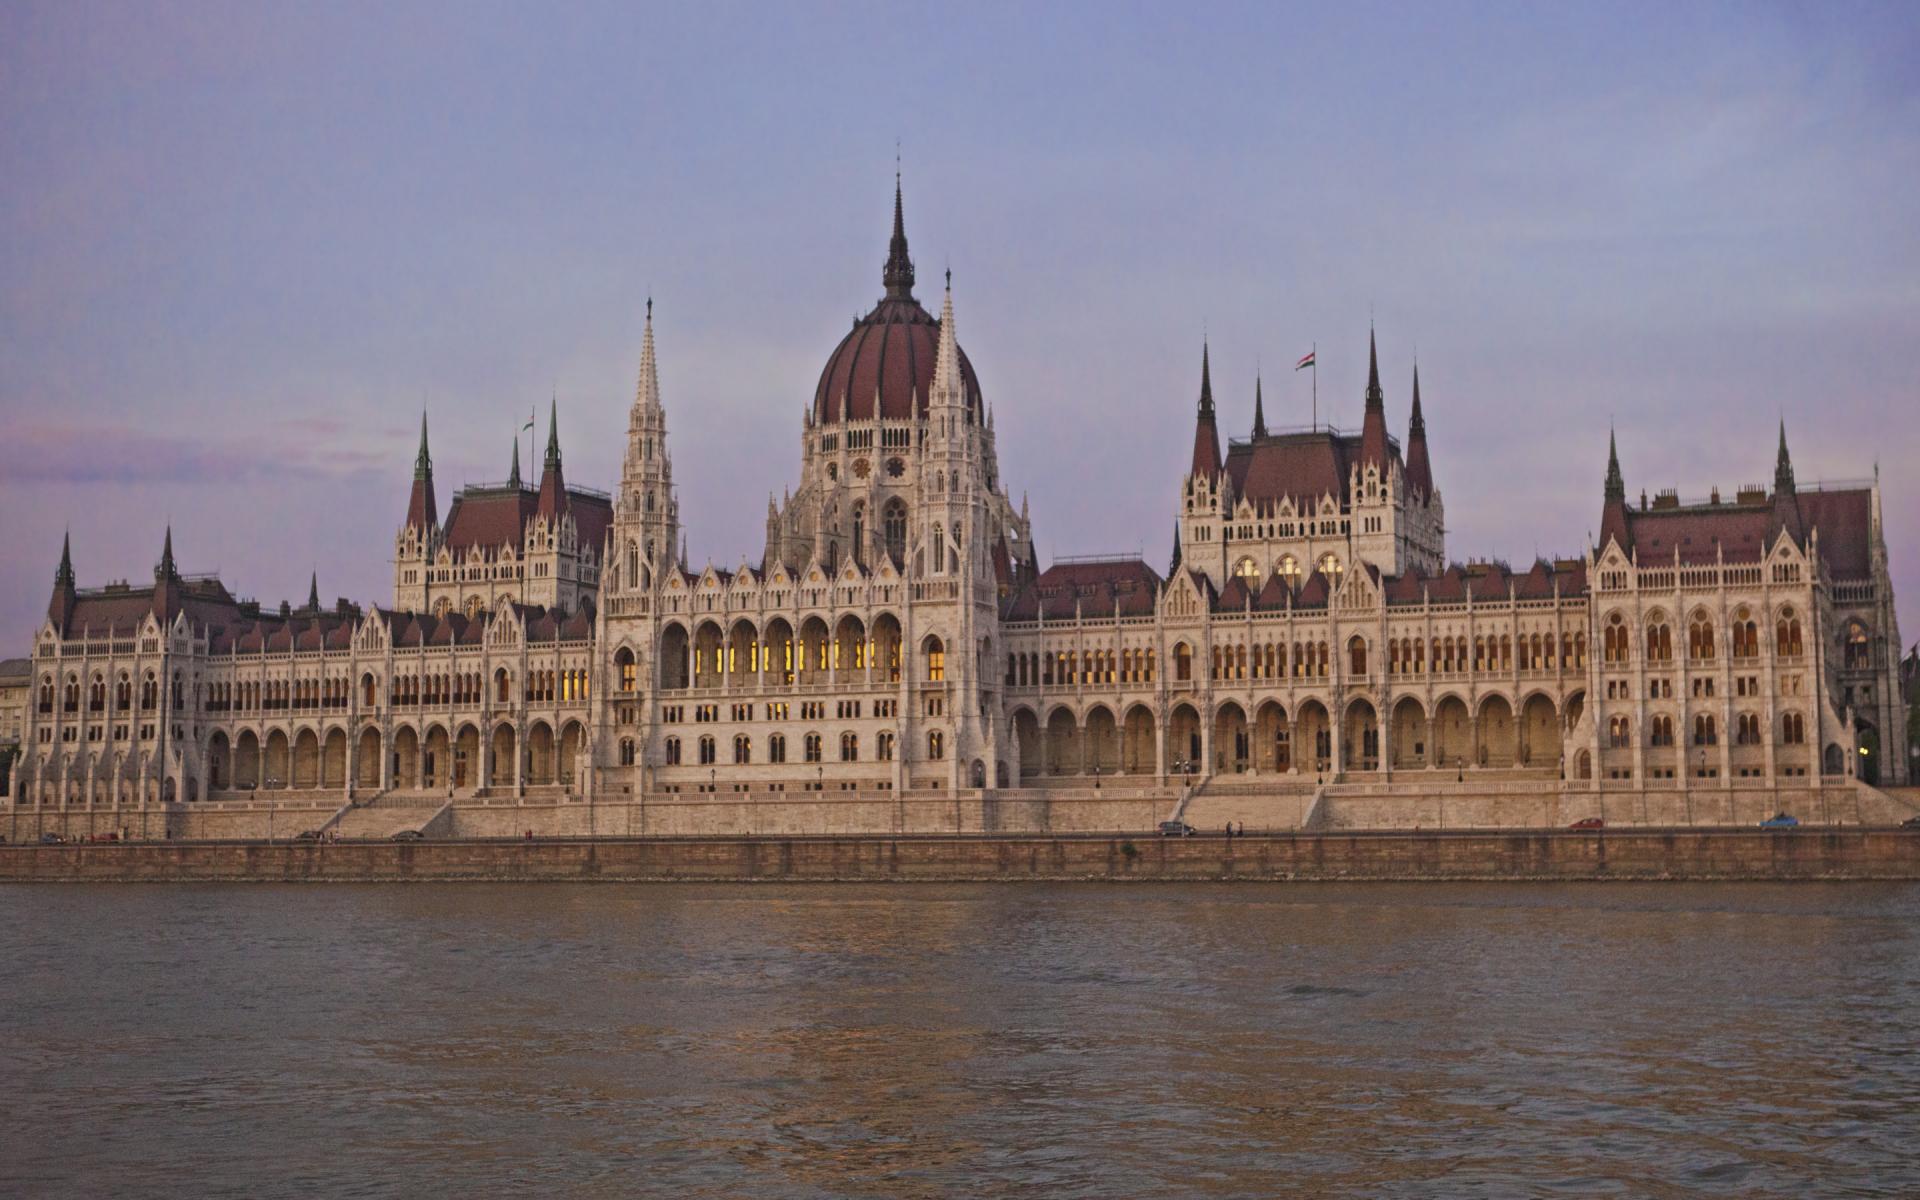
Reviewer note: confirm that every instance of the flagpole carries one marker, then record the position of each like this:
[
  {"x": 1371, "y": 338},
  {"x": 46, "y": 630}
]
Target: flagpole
[{"x": 1316, "y": 386}]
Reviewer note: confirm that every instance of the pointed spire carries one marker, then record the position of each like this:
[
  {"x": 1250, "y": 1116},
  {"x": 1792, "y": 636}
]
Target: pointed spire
[
  {"x": 1206, "y": 434},
  {"x": 553, "y": 434},
  {"x": 60, "y": 606},
  {"x": 513, "y": 477},
  {"x": 1373, "y": 426},
  {"x": 898, "y": 275},
  {"x": 423, "y": 461},
  {"x": 1613, "y": 513},
  {"x": 553, "y": 485},
  {"x": 64, "y": 576},
  {"x": 1259, "y": 410},
  {"x": 947, "y": 386},
  {"x": 1786, "y": 497},
  {"x": 166, "y": 568},
  {"x": 1419, "y": 468},
  {"x": 646, "y": 393},
  {"x": 1173, "y": 567},
  {"x": 1783, "y": 464},
  {"x": 313, "y": 592}
]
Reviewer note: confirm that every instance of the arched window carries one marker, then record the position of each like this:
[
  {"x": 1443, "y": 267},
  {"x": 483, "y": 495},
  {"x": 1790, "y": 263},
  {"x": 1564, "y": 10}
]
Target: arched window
[
  {"x": 742, "y": 749},
  {"x": 626, "y": 752},
  {"x": 939, "y": 550},
  {"x": 1183, "y": 662},
  {"x": 502, "y": 686},
  {"x": 673, "y": 751},
  {"x": 1288, "y": 568},
  {"x": 626, "y": 669},
  {"x": 1659, "y": 641},
  {"x": 812, "y": 747},
  {"x": 1357, "y": 656},
  {"x": 1746, "y": 634},
  {"x": 936, "y": 655},
  {"x": 883, "y": 746},
  {"x": 1704, "y": 733},
  {"x": 706, "y": 751},
  {"x": 1793, "y": 729},
  {"x": 1330, "y": 566},
  {"x": 1786, "y": 634},
  {"x": 633, "y": 565},
  {"x": 936, "y": 745},
  {"x": 1619, "y": 733},
  {"x": 1614, "y": 639},
  {"x": 849, "y": 747},
  {"x": 1700, "y": 638},
  {"x": 1248, "y": 570},
  {"x": 860, "y": 534},
  {"x": 894, "y": 529}
]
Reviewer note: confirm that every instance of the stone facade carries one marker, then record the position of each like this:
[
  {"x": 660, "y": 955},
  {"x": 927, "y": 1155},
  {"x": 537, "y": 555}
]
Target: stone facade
[{"x": 896, "y": 639}]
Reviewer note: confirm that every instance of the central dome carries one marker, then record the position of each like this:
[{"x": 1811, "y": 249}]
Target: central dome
[{"x": 884, "y": 367}]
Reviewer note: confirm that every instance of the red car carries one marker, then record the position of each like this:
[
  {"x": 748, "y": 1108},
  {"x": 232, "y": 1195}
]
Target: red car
[{"x": 1588, "y": 823}]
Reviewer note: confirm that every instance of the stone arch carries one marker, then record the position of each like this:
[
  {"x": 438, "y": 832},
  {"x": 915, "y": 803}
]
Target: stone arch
[
  {"x": 850, "y": 647},
  {"x": 887, "y": 638},
  {"x": 333, "y": 759},
  {"x": 777, "y": 648},
  {"x": 1314, "y": 736},
  {"x": 278, "y": 760},
  {"x": 1583, "y": 765},
  {"x": 466, "y": 756},
  {"x": 505, "y": 748},
  {"x": 1137, "y": 755},
  {"x": 306, "y": 760},
  {"x": 1026, "y": 728},
  {"x": 1063, "y": 743},
  {"x": 1272, "y": 738},
  {"x": 675, "y": 661},
  {"x": 436, "y": 758},
  {"x": 406, "y": 758},
  {"x": 1102, "y": 741},
  {"x": 246, "y": 760},
  {"x": 742, "y": 653},
  {"x": 540, "y": 752},
  {"x": 810, "y": 652},
  {"x": 1184, "y": 749},
  {"x": 1539, "y": 733},
  {"x": 1452, "y": 732},
  {"x": 1496, "y": 737},
  {"x": 369, "y": 757},
  {"x": 1572, "y": 707},
  {"x": 1833, "y": 761},
  {"x": 573, "y": 737},
  {"x": 219, "y": 762},
  {"x": 709, "y": 647},
  {"x": 1232, "y": 742},
  {"x": 1360, "y": 736},
  {"x": 1410, "y": 736}
]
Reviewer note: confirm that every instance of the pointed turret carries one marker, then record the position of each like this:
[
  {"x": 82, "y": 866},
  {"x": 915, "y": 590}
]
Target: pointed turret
[
  {"x": 898, "y": 275},
  {"x": 1259, "y": 411},
  {"x": 553, "y": 484},
  {"x": 166, "y": 579},
  {"x": 1173, "y": 565},
  {"x": 948, "y": 388},
  {"x": 422, "y": 512},
  {"x": 1786, "y": 497},
  {"x": 60, "y": 607},
  {"x": 646, "y": 394},
  {"x": 1206, "y": 434},
  {"x": 513, "y": 476},
  {"x": 1613, "y": 514},
  {"x": 1419, "y": 470},
  {"x": 1373, "y": 427},
  {"x": 313, "y": 592}
]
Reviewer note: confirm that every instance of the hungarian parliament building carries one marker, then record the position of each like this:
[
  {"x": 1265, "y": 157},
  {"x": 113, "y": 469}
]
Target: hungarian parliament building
[{"x": 897, "y": 633}]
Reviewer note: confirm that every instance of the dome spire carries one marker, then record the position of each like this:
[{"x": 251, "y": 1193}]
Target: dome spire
[{"x": 898, "y": 276}]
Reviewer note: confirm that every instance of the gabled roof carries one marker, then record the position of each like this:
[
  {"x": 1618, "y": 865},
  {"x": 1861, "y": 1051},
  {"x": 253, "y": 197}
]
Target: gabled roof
[
  {"x": 1303, "y": 466},
  {"x": 1094, "y": 587}
]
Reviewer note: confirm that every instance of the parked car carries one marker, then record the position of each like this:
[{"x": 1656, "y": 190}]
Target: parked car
[
  {"x": 1781, "y": 821},
  {"x": 1175, "y": 829},
  {"x": 52, "y": 839},
  {"x": 409, "y": 835},
  {"x": 1588, "y": 823},
  {"x": 1910, "y": 823},
  {"x": 307, "y": 835}
]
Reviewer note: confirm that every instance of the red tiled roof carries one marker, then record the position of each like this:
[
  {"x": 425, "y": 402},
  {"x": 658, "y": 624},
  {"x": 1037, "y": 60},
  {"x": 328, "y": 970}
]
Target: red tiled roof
[
  {"x": 1844, "y": 520},
  {"x": 1094, "y": 587},
  {"x": 1700, "y": 533},
  {"x": 1305, "y": 466}
]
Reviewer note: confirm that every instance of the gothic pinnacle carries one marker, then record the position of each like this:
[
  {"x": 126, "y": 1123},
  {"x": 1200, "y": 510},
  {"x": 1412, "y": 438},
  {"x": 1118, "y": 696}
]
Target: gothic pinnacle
[
  {"x": 1259, "y": 411},
  {"x": 898, "y": 275}
]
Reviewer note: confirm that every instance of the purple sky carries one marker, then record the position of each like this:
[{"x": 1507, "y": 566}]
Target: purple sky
[{"x": 241, "y": 246}]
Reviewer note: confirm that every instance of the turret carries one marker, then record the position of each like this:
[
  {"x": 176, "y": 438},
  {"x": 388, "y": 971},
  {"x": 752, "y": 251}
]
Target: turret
[
  {"x": 553, "y": 486},
  {"x": 513, "y": 476},
  {"x": 1613, "y": 514},
  {"x": 422, "y": 512},
  {"x": 1206, "y": 434},
  {"x": 1373, "y": 427},
  {"x": 1419, "y": 471},
  {"x": 898, "y": 273},
  {"x": 1259, "y": 412},
  {"x": 1786, "y": 497},
  {"x": 166, "y": 580},
  {"x": 60, "y": 607}
]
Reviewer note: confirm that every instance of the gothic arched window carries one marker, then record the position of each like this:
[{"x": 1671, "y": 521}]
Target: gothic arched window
[{"x": 894, "y": 529}]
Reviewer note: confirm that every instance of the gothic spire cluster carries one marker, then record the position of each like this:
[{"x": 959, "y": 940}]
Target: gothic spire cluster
[{"x": 898, "y": 275}]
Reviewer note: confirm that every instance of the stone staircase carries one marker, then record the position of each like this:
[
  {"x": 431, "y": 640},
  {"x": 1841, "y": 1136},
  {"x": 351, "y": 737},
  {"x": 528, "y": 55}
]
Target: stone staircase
[
  {"x": 1268, "y": 806},
  {"x": 379, "y": 818}
]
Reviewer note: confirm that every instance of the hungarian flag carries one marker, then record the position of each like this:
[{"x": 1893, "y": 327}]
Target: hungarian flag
[{"x": 1305, "y": 362}]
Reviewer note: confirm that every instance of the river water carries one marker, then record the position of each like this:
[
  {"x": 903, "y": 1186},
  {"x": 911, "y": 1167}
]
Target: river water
[{"x": 984, "y": 1040}]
